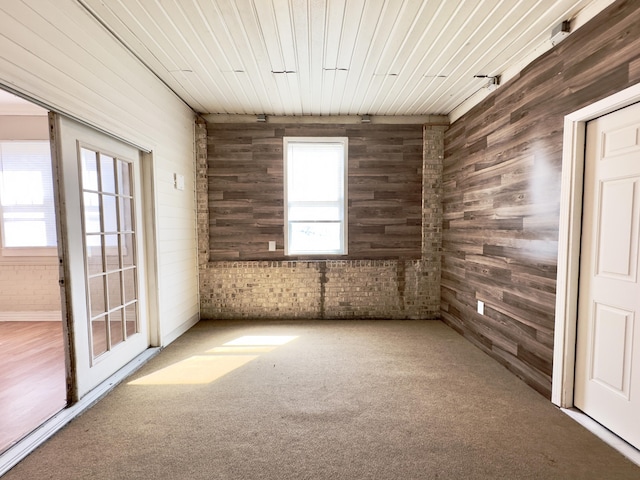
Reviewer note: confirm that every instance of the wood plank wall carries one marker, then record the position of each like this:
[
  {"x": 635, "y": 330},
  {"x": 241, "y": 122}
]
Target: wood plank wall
[
  {"x": 246, "y": 189},
  {"x": 502, "y": 192}
]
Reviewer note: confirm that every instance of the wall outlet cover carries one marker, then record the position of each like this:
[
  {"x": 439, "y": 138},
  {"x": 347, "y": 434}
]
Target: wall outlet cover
[{"x": 178, "y": 181}]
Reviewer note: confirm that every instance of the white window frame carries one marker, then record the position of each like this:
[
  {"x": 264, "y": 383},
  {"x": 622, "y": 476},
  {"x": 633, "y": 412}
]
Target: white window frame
[
  {"x": 9, "y": 253},
  {"x": 342, "y": 202}
]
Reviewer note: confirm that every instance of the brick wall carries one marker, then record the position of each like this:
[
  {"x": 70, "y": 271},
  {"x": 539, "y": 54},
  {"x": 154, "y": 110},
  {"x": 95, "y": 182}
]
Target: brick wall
[
  {"x": 433, "y": 155},
  {"x": 318, "y": 289},
  {"x": 395, "y": 288},
  {"x": 29, "y": 288}
]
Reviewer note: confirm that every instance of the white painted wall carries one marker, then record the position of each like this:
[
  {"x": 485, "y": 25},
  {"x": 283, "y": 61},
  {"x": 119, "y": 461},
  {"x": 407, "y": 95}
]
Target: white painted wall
[
  {"x": 24, "y": 127},
  {"x": 54, "y": 52}
]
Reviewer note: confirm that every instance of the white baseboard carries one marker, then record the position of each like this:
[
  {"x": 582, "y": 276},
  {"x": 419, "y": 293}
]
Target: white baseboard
[
  {"x": 171, "y": 336},
  {"x": 35, "y": 316},
  {"x": 604, "y": 434}
]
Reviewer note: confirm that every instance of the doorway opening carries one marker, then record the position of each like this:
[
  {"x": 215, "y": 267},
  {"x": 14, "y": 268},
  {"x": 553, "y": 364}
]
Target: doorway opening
[
  {"x": 569, "y": 243},
  {"x": 32, "y": 347}
]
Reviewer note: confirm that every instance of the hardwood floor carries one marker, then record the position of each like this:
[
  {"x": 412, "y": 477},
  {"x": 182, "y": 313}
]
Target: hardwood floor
[{"x": 32, "y": 377}]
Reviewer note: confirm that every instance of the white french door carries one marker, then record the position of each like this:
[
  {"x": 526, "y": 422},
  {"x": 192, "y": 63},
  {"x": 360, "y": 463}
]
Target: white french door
[
  {"x": 98, "y": 180},
  {"x": 607, "y": 381}
]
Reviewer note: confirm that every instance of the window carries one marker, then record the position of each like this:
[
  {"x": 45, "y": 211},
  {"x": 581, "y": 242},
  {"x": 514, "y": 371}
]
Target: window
[
  {"x": 315, "y": 195},
  {"x": 27, "y": 210}
]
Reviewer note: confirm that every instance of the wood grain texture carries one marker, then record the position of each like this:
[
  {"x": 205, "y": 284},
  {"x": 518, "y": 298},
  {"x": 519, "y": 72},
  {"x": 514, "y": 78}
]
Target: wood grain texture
[
  {"x": 246, "y": 190},
  {"x": 32, "y": 377},
  {"x": 501, "y": 194}
]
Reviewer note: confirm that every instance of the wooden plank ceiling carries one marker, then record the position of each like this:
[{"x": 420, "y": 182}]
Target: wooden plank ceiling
[{"x": 330, "y": 57}]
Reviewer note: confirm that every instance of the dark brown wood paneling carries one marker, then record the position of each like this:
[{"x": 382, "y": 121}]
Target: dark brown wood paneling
[
  {"x": 246, "y": 191},
  {"x": 502, "y": 192}
]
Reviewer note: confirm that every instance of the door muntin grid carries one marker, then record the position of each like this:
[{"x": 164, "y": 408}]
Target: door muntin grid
[{"x": 108, "y": 219}]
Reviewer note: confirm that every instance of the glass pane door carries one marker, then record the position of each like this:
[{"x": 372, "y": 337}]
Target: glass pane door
[
  {"x": 109, "y": 232},
  {"x": 103, "y": 274}
]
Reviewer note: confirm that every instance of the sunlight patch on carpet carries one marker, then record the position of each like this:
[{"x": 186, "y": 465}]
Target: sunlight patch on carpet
[
  {"x": 259, "y": 340},
  {"x": 199, "y": 369},
  {"x": 241, "y": 350},
  {"x": 216, "y": 362}
]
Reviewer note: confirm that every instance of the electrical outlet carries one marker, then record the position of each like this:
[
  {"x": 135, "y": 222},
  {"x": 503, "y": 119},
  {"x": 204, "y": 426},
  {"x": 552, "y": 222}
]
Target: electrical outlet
[
  {"x": 480, "y": 307},
  {"x": 272, "y": 246}
]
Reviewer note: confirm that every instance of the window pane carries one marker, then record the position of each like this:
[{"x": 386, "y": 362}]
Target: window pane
[
  {"x": 25, "y": 233},
  {"x": 115, "y": 293},
  {"x": 128, "y": 250},
  {"x": 315, "y": 172},
  {"x": 129, "y": 278},
  {"x": 107, "y": 174},
  {"x": 96, "y": 296},
  {"x": 124, "y": 185},
  {"x": 131, "y": 313},
  {"x": 115, "y": 325},
  {"x": 315, "y": 238},
  {"x": 110, "y": 213},
  {"x": 22, "y": 187},
  {"x": 89, "y": 170},
  {"x": 94, "y": 254},
  {"x": 26, "y": 194},
  {"x": 315, "y": 193},
  {"x": 126, "y": 220},
  {"x": 112, "y": 256},
  {"x": 314, "y": 213},
  {"x": 99, "y": 335},
  {"x": 91, "y": 212}
]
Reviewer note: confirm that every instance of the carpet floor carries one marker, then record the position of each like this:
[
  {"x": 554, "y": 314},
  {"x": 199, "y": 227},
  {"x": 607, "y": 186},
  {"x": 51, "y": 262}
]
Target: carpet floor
[{"x": 323, "y": 400}]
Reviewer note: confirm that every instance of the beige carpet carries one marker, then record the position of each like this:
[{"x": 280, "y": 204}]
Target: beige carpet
[{"x": 342, "y": 400}]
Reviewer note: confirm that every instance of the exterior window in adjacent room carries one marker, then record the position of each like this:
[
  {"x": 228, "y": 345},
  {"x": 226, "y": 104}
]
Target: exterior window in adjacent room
[
  {"x": 315, "y": 194},
  {"x": 28, "y": 224}
]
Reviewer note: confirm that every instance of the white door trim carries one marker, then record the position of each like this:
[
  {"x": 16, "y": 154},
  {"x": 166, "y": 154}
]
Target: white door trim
[
  {"x": 85, "y": 375},
  {"x": 564, "y": 345},
  {"x": 150, "y": 232}
]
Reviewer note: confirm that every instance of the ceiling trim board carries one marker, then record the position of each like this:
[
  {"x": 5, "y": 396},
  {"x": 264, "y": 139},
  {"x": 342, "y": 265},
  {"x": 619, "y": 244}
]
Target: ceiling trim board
[{"x": 442, "y": 120}]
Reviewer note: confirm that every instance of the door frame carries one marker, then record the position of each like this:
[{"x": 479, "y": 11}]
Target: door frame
[
  {"x": 566, "y": 312},
  {"x": 149, "y": 239},
  {"x": 150, "y": 227}
]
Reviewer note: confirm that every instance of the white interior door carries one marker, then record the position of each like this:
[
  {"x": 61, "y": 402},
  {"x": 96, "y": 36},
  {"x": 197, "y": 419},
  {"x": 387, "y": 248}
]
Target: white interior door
[
  {"x": 98, "y": 181},
  {"x": 607, "y": 384}
]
